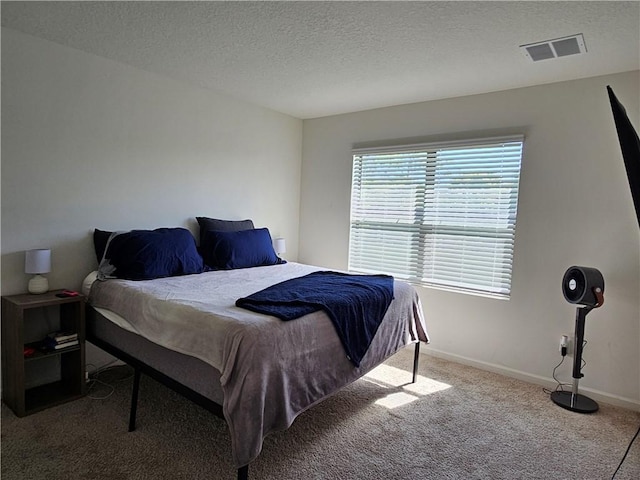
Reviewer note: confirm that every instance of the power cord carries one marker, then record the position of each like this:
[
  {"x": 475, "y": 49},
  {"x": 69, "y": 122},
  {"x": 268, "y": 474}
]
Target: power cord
[
  {"x": 95, "y": 382},
  {"x": 560, "y": 385},
  {"x": 625, "y": 453}
]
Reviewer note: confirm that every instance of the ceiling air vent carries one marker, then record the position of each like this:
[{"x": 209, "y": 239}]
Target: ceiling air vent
[{"x": 560, "y": 47}]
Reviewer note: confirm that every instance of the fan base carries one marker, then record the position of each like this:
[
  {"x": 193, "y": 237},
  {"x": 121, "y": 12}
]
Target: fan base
[{"x": 574, "y": 402}]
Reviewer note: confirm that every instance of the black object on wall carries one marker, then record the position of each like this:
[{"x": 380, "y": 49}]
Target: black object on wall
[
  {"x": 584, "y": 286},
  {"x": 630, "y": 146}
]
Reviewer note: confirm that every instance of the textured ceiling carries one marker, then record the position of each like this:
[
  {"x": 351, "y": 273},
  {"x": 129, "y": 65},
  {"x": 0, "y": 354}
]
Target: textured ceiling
[{"x": 311, "y": 59}]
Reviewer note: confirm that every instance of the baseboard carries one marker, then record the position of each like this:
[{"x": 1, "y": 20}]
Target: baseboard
[{"x": 535, "y": 379}]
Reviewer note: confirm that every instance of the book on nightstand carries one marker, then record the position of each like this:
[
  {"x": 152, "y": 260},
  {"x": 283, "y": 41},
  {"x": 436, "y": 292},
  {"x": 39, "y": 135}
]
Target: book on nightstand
[
  {"x": 59, "y": 340},
  {"x": 61, "y": 337}
]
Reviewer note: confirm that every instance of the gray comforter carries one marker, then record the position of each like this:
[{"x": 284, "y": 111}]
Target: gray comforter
[{"x": 271, "y": 371}]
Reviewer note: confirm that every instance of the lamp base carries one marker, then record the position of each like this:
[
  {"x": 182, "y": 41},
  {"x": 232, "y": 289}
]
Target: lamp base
[
  {"x": 574, "y": 402},
  {"x": 38, "y": 284}
]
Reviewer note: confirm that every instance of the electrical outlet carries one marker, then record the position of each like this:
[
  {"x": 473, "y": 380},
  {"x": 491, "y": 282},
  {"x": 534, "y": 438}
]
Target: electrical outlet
[{"x": 564, "y": 341}]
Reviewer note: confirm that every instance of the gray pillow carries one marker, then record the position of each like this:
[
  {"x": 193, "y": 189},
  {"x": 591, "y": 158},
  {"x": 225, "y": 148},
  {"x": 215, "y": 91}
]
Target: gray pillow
[{"x": 207, "y": 224}]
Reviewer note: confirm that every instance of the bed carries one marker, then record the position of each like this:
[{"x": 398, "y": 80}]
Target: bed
[{"x": 255, "y": 371}]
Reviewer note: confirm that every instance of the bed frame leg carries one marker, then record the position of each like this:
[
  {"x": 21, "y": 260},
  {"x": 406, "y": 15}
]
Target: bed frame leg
[
  {"x": 134, "y": 400},
  {"x": 416, "y": 357},
  {"x": 243, "y": 473}
]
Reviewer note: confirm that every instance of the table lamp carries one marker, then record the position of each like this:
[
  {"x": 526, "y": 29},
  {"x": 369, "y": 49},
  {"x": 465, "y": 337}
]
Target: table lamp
[
  {"x": 280, "y": 246},
  {"x": 37, "y": 262}
]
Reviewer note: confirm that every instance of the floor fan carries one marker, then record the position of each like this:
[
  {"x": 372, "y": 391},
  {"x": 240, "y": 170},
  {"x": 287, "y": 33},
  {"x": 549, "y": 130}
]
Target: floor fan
[{"x": 583, "y": 286}]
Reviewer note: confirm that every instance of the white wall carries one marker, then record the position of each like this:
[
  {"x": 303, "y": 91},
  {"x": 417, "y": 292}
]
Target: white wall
[
  {"x": 90, "y": 143},
  {"x": 575, "y": 208}
]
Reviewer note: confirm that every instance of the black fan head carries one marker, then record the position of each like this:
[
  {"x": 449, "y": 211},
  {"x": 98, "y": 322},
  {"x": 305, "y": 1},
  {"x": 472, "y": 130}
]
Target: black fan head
[{"x": 579, "y": 283}]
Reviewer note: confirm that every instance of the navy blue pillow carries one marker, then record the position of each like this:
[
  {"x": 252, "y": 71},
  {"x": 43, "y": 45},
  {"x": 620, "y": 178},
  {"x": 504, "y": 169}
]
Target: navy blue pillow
[
  {"x": 149, "y": 254},
  {"x": 241, "y": 249},
  {"x": 218, "y": 225}
]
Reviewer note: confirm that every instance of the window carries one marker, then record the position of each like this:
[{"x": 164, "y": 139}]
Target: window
[{"x": 439, "y": 215}]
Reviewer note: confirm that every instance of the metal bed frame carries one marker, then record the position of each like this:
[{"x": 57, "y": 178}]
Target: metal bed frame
[{"x": 141, "y": 367}]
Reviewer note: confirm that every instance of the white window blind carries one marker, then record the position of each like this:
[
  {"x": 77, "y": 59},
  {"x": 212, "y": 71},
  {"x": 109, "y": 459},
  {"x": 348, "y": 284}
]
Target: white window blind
[{"x": 437, "y": 214}]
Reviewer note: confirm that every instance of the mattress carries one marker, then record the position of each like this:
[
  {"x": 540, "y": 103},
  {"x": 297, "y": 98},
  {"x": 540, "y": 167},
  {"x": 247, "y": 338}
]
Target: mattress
[{"x": 193, "y": 373}]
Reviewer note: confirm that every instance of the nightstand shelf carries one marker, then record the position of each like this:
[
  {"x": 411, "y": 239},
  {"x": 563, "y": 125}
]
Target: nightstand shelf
[
  {"x": 17, "y": 311},
  {"x": 40, "y": 353},
  {"x": 48, "y": 395}
]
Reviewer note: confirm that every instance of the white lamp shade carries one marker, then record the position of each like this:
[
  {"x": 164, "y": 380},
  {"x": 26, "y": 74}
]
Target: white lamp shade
[
  {"x": 37, "y": 261},
  {"x": 279, "y": 245}
]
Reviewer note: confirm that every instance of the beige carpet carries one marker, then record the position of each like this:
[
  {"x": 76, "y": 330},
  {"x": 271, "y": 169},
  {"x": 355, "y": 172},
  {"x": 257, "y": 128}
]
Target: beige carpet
[{"x": 457, "y": 422}]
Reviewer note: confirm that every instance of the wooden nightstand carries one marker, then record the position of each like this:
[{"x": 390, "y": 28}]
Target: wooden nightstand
[{"x": 17, "y": 369}]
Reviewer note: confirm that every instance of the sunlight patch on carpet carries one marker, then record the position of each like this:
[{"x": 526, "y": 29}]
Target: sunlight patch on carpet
[
  {"x": 398, "y": 379},
  {"x": 396, "y": 400}
]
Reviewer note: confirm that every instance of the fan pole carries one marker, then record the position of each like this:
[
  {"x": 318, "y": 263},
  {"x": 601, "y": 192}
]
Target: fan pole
[{"x": 573, "y": 400}]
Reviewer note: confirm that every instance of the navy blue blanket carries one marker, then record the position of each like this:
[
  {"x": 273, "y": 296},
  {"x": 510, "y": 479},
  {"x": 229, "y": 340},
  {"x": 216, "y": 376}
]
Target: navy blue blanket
[{"x": 355, "y": 304}]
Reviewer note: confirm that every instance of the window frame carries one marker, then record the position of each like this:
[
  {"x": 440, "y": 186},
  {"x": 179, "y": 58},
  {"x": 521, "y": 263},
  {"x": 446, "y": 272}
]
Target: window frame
[{"x": 419, "y": 251}]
